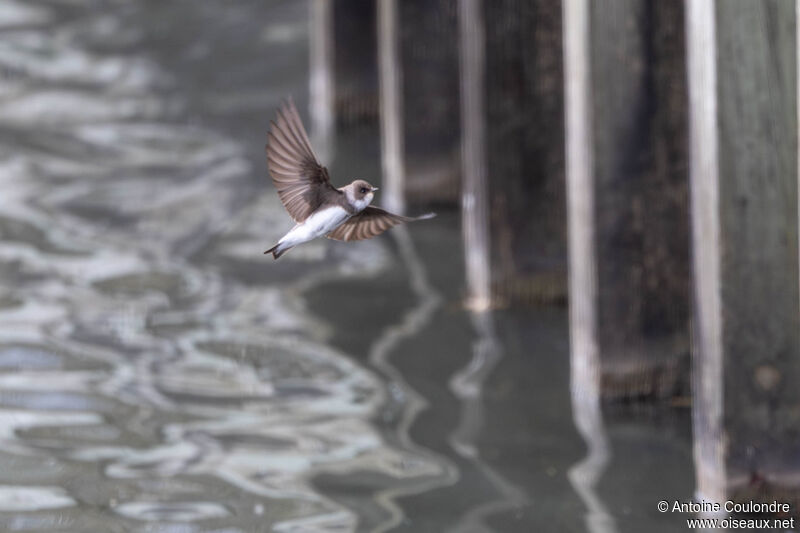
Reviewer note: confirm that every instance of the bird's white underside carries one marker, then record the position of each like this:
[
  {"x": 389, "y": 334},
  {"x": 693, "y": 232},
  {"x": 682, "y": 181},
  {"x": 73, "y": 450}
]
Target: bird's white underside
[{"x": 319, "y": 224}]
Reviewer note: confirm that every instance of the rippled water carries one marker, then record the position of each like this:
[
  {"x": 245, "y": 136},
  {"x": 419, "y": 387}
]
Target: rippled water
[{"x": 157, "y": 373}]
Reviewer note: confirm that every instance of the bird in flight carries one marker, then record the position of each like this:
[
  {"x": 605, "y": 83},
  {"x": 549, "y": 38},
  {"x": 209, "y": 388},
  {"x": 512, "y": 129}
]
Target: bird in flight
[{"x": 305, "y": 189}]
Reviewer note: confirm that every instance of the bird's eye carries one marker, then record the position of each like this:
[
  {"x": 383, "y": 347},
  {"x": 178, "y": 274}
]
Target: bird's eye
[{"x": 363, "y": 190}]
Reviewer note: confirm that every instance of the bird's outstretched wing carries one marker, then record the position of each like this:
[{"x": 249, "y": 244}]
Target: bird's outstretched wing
[
  {"x": 370, "y": 222},
  {"x": 302, "y": 182}
]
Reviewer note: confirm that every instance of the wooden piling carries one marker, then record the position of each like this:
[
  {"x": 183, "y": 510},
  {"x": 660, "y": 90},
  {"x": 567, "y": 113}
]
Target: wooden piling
[
  {"x": 627, "y": 196},
  {"x": 474, "y": 193},
  {"x": 391, "y": 107},
  {"x": 525, "y": 151},
  {"x": 321, "y": 78},
  {"x": 355, "y": 60},
  {"x": 744, "y": 175},
  {"x": 585, "y": 365},
  {"x": 584, "y": 362},
  {"x": 704, "y": 170},
  {"x": 429, "y": 39}
]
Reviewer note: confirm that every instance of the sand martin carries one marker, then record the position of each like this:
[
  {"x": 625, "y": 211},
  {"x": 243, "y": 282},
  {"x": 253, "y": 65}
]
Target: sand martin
[{"x": 305, "y": 189}]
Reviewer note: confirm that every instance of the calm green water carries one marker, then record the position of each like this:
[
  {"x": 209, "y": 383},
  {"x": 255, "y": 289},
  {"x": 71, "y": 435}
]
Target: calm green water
[{"x": 159, "y": 374}]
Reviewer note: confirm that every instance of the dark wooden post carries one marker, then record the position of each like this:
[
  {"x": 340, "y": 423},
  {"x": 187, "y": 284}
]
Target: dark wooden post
[
  {"x": 429, "y": 40},
  {"x": 629, "y": 198},
  {"x": 641, "y": 195},
  {"x": 525, "y": 150},
  {"x": 355, "y": 60},
  {"x": 744, "y": 183}
]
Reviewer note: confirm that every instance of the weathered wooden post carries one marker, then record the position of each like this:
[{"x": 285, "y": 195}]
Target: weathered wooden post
[
  {"x": 627, "y": 205},
  {"x": 512, "y": 151},
  {"x": 474, "y": 193},
  {"x": 628, "y": 199},
  {"x": 744, "y": 187},
  {"x": 525, "y": 150},
  {"x": 355, "y": 60},
  {"x": 321, "y": 79},
  {"x": 585, "y": 366},
  {"x": 429, "y": 39},
  {"x": 641, "y": 186},
  {"x": 391, "y": 107}
]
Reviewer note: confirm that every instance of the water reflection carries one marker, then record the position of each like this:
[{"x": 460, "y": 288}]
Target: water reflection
[
  {"x": 467, "y": 385},
  {"x": 402, "y": 397}
]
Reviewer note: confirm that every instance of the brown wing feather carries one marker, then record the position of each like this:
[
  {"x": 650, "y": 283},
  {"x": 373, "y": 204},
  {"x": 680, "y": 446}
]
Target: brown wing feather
[
  {"x": 368, "y": 223},
  {"x": 302, "y": 183}
]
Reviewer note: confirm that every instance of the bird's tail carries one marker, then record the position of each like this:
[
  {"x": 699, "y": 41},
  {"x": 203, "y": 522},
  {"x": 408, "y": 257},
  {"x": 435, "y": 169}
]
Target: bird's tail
[{"x": 277, "y": 251}]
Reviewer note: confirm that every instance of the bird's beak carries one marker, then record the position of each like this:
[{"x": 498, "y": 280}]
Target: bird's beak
[{"x": 374, "y": 189}]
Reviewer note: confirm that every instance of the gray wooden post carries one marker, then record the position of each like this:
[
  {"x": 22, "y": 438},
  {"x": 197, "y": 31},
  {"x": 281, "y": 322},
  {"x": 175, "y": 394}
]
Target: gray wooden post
[
  {"x": 321, "y": 78},
  {"x": 525, "y": 150},
  {"x": 641, "y": 196},
  {"x": 391, "y": 107},
  {"x": 584, "y": 358},
  {"x": 585, "y": 363},
  {"x": 474, "y": 203},
  {"x": 627, "y": 197},
  {"x": 429, "y": 40},
  {"x": 744, "y": 185},
  {"x": 355, "y": 60}
]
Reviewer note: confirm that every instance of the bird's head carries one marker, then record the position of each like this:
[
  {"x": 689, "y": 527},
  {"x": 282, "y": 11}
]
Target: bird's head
[{"x": 360, "y": 194}]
